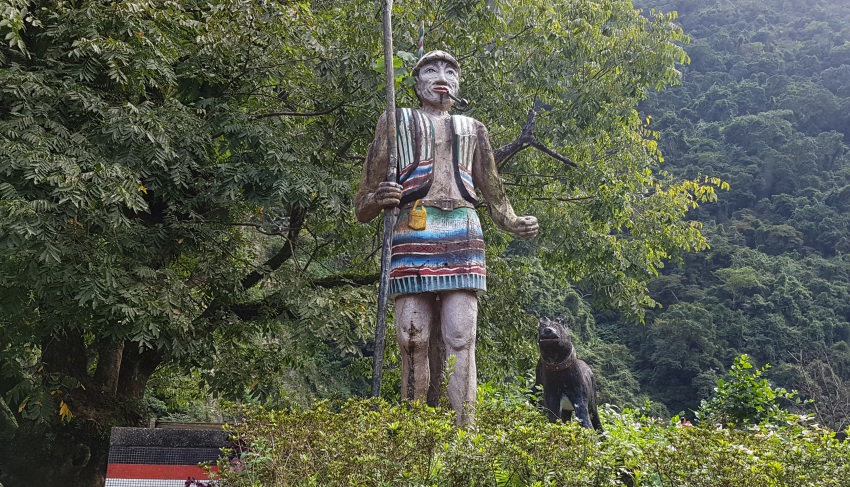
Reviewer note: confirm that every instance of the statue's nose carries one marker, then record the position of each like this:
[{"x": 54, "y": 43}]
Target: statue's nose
[{"x": 548, "y": 332}]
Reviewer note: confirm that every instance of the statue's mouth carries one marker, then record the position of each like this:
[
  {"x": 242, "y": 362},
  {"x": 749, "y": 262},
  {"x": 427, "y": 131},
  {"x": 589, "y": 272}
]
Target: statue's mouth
[
  {"x": 548, "y": 340},
  {"x": 441, "y": 89}
]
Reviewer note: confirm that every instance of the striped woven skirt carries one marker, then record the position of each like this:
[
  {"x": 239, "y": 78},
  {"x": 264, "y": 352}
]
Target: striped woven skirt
[{"x": 448, "y": 254}]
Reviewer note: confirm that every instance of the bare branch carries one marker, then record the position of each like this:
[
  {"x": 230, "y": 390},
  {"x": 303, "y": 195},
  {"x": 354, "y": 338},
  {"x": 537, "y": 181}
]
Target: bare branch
[
  {"x": 537, "y": 145},
  {"x": 296, "y": 221},
  {"x": 581, "y": 198},
  {"x": 525, "y": 140},
  {"x": 347, "y": 280},
  {"x": 259, "y": 227},
  {"x": 533, "y": 175},
  {"x": 505, "y": 153},
  {"x": 270, "y": 306},
  {"x": 299, "y": 114},
  {"x": 8, "y": 423}
]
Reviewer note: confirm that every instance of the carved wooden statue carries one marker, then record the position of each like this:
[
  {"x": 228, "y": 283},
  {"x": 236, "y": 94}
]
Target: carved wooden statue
[{"x": 437, "y": 266}]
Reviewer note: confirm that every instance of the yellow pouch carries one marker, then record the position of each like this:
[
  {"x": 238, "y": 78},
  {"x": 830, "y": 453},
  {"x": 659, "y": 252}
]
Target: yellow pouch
[{"x": 418, "y": 218}]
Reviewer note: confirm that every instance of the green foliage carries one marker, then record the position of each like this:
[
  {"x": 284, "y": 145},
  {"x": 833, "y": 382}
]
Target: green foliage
[
  {"x": 176, "y": 182},
  {"x": 745, "y": 398},
  {"x": 763, "y": 105},
  {"x": 177, "y": 176},
  {"x": 368, "y": 442}
]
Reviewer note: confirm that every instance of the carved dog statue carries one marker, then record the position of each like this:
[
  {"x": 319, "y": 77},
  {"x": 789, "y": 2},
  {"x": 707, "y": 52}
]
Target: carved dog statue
[{"x": 562, "y": 375}]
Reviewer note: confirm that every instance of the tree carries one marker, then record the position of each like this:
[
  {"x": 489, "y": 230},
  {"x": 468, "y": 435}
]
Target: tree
[{"x": 177, "y": 180}]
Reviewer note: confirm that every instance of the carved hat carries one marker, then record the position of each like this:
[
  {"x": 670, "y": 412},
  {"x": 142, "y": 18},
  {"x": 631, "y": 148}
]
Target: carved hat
[{"x": 435, "y": 55}]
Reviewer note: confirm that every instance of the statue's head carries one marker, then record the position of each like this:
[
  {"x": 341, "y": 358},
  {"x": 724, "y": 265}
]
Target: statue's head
[
  {"x": 553, "y": 339},
  {"x": 437, "y": 74}
]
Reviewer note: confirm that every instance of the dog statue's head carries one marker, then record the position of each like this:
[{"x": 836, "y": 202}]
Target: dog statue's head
[{"x": 553, "y": 340}]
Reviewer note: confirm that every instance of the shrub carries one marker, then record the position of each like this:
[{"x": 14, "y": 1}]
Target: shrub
[
  {"x": 745, "y": 398},
  {"x": 374, "y": 443}
]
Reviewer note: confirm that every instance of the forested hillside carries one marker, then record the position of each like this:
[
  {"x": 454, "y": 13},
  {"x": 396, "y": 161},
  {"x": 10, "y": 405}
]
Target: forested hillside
[{"x": 765, "y": 105}]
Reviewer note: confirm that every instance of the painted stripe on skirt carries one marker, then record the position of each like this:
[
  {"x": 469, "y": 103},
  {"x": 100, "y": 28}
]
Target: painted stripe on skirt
[
  {"x": 448, "y": 254},
  {"x": 440, "y": 271}
]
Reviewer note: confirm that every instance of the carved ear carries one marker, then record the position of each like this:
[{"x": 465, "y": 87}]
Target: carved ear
[{"x": 565, "y": 322}]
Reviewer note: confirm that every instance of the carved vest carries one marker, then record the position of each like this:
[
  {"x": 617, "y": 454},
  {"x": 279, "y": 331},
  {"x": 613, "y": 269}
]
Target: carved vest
[{"x": 416, "y": 148}]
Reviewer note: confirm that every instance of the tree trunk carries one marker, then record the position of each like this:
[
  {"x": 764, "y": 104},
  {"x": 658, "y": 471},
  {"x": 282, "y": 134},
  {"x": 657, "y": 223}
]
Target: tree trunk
[
  {"x": 109, "y": 355},
  {"x": 137, "y": 366},
  {"x": 65, "y": 353}
]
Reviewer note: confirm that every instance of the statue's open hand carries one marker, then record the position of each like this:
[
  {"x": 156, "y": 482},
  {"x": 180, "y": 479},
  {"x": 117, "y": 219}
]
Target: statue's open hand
[
  {"x": 388, "y": 194},
  {"x": 525, "y": 226}
]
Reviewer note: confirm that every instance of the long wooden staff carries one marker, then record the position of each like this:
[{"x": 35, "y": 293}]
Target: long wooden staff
[{"x": 390, "y": 214}]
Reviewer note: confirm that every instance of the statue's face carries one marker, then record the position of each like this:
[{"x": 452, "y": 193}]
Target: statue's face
[{"x": 436, "y": 80}]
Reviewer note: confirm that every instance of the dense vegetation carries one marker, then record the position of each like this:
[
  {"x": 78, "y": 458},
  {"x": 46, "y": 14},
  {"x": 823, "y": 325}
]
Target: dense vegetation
[
  {"x": 176, "y": 227},
  {"x": 512, "y": 444},
  {"x": 175, "y": 202},
  {"x": 765, "y": 105}
]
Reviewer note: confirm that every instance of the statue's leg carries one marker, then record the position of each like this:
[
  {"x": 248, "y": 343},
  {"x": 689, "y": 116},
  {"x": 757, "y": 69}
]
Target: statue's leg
[
  {"x": 458, "y": 316},
  {"x": 436, "y": 358},
  {"x": 414, "y": 314}
]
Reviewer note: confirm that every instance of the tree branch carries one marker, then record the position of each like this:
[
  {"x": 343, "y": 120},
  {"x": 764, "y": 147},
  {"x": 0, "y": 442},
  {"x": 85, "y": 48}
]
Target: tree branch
[
  {"x": 533, "y": 175},
  {"x": 296, "y": 222},
  {"x": 542, "y": 148},
  {"x": 258, "y": 226},
  {"x": 346, "y": 279},
  {"x": 580, "y": 198},
  {"x": 506, "y": 152},
  {"x": 268, "y": 307},
  {"x": 65, "y": 352},
  {"x": 298, "y": 114},
  {"x": 264, "y": 307},
  {"x": 136, "y": 368},
  {"x": 525, "y": 140}
]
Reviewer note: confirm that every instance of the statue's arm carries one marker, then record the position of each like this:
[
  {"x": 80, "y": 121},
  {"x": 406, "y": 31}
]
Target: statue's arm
[
  {"x": 486, "y": 178},
  {"x": 374, "y": 193}
]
